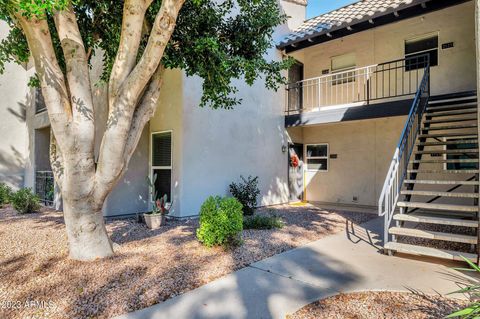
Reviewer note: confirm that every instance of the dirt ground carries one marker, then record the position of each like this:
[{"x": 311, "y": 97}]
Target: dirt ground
[
  {"x": 39, "y": 281},
  {"x": 375, "y": 305}
]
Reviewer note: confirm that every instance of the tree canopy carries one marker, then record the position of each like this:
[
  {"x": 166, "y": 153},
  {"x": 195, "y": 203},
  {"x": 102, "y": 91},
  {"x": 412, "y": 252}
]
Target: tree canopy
[{"x": 216, "y": 40}]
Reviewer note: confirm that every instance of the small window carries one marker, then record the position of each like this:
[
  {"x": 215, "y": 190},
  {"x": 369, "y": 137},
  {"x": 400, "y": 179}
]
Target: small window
[
  {"x": 317, "y": 157},
  {"x": 162, "y": 164},
  {"x": 461, "y": 156},
  {"x": 418, "y": 49},
  {"x": 341, "y": 64}
]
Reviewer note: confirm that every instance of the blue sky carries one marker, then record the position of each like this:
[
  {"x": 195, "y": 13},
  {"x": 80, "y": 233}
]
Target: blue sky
[{"x": 317, "y": 7}]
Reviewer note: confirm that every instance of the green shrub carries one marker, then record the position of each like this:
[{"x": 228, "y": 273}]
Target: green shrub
[
  {"x": 472, "y": 311},
  {"x": 262, "y": 222},
  {"x": 5, "y": 194},
  {"x": 25, "y": 201},
  {"x": 246, "y": 192},
  {"x": 220, "y": 221}
]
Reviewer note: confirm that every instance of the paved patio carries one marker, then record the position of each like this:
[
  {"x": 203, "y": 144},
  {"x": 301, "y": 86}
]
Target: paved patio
[{"x": 345, "y": 262}]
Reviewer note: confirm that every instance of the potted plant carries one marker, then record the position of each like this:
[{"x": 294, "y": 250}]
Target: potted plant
[{"x": 160, "y": 208}]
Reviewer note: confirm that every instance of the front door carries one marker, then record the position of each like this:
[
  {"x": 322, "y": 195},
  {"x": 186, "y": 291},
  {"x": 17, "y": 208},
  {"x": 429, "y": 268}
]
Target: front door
[{"x": 295, "y": 171}]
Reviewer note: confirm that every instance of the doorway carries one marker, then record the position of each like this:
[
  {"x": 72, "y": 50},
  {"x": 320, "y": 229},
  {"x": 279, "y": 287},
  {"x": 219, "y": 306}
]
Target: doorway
[{"x": 295, "y": 172}]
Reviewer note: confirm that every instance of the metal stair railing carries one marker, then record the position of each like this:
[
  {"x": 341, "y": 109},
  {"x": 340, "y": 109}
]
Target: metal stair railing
[{"x": 397, "y": 171}]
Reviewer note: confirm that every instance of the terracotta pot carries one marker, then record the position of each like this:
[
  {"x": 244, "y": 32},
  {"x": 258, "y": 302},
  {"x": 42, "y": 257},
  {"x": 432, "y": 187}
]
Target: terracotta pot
[{"x": 154, "y": 221}]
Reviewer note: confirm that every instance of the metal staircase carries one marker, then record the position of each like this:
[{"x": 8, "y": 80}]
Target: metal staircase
[{"x": 430, "y": 196}]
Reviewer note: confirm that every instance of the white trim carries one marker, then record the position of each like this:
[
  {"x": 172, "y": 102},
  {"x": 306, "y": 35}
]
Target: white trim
[
  {"x": 151, "y": 167},
  {"x": 327, "y": 157}
]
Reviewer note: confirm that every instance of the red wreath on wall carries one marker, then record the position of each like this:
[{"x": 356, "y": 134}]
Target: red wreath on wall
[{"x": 294, "y": 160}]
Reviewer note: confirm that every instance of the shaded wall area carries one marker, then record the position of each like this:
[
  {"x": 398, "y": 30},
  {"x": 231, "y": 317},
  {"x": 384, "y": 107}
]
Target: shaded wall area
[
  {"x": 363, "y": 151},
  {"x": 15, "y": 99}
]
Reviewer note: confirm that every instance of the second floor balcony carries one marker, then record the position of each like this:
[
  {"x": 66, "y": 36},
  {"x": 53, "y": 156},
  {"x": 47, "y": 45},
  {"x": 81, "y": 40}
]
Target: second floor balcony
[{"x": 376, "y": 86}]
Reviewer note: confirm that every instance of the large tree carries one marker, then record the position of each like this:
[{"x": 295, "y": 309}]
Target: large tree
[{"x": 217, "y": 40}]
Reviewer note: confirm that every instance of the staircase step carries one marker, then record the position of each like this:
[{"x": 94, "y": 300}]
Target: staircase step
[
  {"x": 453, "y": 112},
  {"x": 443, "y": 171},
  {"x": 451, "y": 120},
  {"x": 439, "y": 182},
  {"x": 433, "y": 206},
  {"x": 432, "y": 219},
  {"x": 449, "y": 161},
  {"x": 449, "y": 142},
  {"x": 460, "y": 106},
  {"x": 448, "y": 127},
  {"x": 452, "y": 99},
  {"x": 457, "y": 151},
  {"x": 428, "y": 234},
  {"x": 440, "y": 194},
  {"x": 428, "y": 251},
  {"x": 440, "y": 135}
]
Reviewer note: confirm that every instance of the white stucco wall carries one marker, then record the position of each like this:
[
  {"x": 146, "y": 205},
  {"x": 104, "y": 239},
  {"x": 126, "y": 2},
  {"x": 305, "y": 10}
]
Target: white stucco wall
[
  {"x": 455, "y": 71},
  {"x": 15, "y": 99}
]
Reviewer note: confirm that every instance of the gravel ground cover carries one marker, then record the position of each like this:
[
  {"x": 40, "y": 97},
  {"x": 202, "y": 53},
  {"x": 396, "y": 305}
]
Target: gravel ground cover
[
  {"x": 375, "y": 305},
  {"x": 39, "y": 281}
]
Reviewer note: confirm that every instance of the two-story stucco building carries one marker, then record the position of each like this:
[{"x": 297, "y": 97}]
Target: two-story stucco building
[{"x": 380, "y": 110}]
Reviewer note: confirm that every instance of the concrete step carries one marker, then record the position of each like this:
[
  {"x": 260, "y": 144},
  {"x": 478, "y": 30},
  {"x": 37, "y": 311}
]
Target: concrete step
[
  {"x": 442, "y": 171},
  {"x": 440, "y": 135},
  {"x": 457, "y": 151},
  {"x": 438, "y": 220},
  {"x": 449, "y": 142},
  {"x": 467, "y": 160},
  {"x": 451, "y": 120},
  {"x": 428, "y": 251},
  {"x": 437, "y": 193},
  {"x": 449, "y": 107},
  {"x": 434, "y": 206},
  {"x": 428, "y": 234},
  {"x": 449, "y": 127},
  {"x": 450, "y": 113},
  {"x": 439, "y": 182},
  {"x": 453, "y": 99}
]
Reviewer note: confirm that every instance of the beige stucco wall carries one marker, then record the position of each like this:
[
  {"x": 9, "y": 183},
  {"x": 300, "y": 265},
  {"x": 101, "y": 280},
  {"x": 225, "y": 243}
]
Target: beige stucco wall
[
  {"x": 455, "y": 71},
  {"x": 15, "y": 99},
  {"x": 169, "y": 117},
  {"x": 364, "y": 149}
]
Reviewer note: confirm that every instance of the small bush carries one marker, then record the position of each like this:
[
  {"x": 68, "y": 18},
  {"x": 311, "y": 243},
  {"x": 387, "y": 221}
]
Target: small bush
[
  {"x": 246, "y": 192},
  {"x": 262, "y": 222},
  {"x": 220, "y": 221},
  {"x": 25, "y": 201},
  {"x": 5, "y": 194}
]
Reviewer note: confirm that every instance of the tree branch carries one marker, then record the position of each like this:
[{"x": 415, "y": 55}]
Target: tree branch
[
  {"x": 78, "y": 77},
  {"x": 132, "y": 24},
  {"x": 112, "y": 150},
  {"x": 50, "y": 75},
  {"x": 144, "y": 112},
  {"x": 56, "y": 161}
]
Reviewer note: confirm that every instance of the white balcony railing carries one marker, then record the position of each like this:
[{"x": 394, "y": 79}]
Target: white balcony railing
[{"x": 360, "y": 86}]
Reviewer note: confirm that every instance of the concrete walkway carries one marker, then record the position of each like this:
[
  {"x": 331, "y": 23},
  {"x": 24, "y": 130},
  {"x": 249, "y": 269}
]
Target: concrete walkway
[{"x": 271, "y": 288}]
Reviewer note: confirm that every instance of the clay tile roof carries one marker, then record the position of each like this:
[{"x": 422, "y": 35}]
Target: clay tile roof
[{"x": 356, "y": 12}]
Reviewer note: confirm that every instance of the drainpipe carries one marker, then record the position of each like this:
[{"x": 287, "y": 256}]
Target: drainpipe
[{"x": 477, "y": 67}]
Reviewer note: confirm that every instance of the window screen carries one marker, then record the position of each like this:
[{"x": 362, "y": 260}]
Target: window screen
[
  {"x": 419, "y": 50},
  {"x": 317, "y": 157},
  {"x": 162, "y": 164}
]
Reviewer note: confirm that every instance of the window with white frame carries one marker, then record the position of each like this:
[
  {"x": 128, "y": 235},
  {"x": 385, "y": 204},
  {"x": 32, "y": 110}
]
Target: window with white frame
[
  {"x": 419, "y": 49},
  {"x": 317, "y": 157},
  {"x": 161, "y": 170},
  {"x": 342, "y": 64}
]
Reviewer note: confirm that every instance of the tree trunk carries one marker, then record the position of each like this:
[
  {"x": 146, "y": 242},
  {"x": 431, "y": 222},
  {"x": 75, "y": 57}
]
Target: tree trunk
[{"x": 87, "y": 235}]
